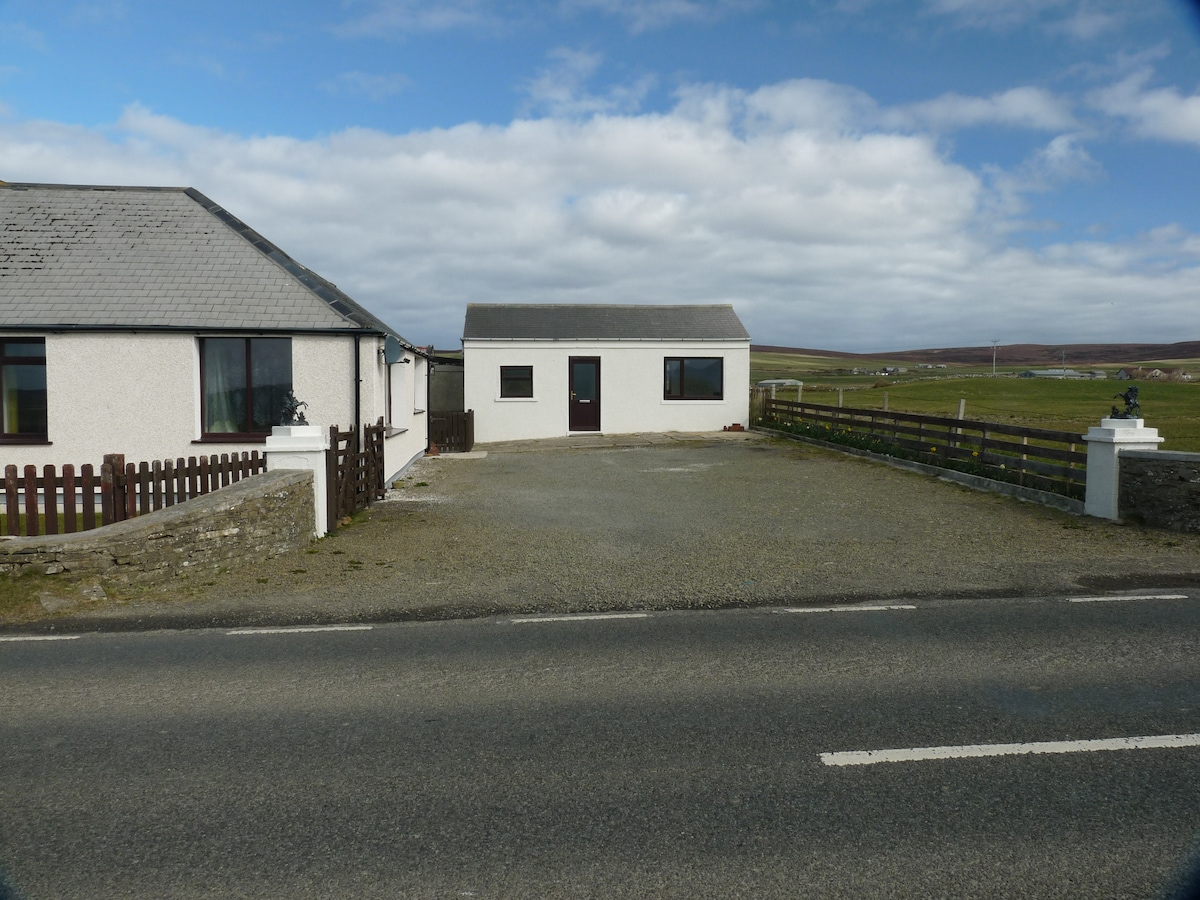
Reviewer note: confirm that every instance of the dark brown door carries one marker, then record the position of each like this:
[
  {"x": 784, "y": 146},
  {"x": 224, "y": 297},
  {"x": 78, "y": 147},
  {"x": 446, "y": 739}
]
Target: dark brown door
[{"x": 584, "y": 414}]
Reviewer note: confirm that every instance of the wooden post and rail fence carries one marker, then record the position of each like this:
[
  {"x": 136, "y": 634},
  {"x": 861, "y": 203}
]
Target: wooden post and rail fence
[{"x": 1037, "y": 458}]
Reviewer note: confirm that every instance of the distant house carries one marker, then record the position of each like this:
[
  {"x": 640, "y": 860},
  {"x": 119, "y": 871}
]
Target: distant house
[
  {"x": 537, "y": 371},
  {"x": 152, "y": 322},
  {"x": 1060, "y": 374}
]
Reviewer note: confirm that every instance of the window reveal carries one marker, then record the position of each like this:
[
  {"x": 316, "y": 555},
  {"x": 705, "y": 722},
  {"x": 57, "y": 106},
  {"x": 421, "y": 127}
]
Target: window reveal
[
  {"x": 246, "y": 381},
  {"x": 694, "y": 378},
  {"x": 23, "y": 388}
]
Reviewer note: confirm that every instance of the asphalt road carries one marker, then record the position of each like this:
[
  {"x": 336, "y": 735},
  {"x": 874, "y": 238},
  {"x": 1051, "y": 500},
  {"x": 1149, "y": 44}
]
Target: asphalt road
[{"x": 671, "y": 754}]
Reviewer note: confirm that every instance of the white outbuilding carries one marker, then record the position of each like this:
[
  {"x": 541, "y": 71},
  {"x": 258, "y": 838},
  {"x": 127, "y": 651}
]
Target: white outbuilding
[{"x": 539, "y": 371}]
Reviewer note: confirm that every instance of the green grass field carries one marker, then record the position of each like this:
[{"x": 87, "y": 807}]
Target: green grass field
[{"x": 1172, "y": 408}]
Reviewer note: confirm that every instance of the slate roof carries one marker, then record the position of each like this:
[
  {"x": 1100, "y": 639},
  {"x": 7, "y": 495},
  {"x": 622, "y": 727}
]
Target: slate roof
[
  {"x": 497, "y": 322},
  {"x": 153, "y": 258}
]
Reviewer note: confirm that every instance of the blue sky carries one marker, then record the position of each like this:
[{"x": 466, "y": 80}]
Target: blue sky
[{"x": 851, "y": 174}]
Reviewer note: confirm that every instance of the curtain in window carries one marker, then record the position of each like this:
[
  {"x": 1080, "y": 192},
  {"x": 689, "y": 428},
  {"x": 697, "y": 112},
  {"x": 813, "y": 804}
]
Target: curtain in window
[
  {"x": 224, "y": 384},
  {"x": 246, "y": 381}
]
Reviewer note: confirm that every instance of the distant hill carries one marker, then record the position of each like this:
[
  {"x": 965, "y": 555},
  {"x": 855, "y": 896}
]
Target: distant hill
[{"x": 1043, "y": 355}]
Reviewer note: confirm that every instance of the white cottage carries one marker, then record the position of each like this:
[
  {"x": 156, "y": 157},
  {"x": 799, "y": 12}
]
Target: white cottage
[
  {"x": 151, "y": 322},
  {"x": 537, "y": 371}
]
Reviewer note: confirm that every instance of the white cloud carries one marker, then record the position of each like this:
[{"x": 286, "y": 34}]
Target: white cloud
[
  {"x": 98, "y": 13},
  {"x": 846, "y": 237},
  {"x": 375, "y": 87},
  {"x": 1078, "y": 19},
  {"x": 20, "y": 33},
  {"x": 382, "y": 17},
  {"x": 560, "y": 89},
  {"x": 1021, "y": 107},
  {"x": 1161, "y": 113},
  {"x": 647, "y": 15}
]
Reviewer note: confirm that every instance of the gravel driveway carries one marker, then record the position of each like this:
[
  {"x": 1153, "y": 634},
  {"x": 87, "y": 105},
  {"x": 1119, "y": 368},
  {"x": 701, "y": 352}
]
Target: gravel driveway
[{"x": 670, "y": 522}]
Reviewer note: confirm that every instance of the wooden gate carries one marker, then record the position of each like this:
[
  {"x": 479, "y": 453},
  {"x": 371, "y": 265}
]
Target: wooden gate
[
  {"x": 452, "y": 431},
  {"x": 355, "y": 470}
]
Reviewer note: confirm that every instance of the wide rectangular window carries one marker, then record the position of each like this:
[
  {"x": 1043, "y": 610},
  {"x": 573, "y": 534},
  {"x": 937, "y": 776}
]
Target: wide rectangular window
[
  {"x": 245, "y": 384},
  {"x": 694, "y": 378},
  {"x": 516, "y": 381},
  {"x": 23, "y": 389}
]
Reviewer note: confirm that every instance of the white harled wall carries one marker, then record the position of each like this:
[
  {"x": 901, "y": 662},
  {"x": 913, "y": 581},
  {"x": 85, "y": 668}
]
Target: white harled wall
[
  {"x": 631, "y": 388},
  {"x": 139, "y": 394}
]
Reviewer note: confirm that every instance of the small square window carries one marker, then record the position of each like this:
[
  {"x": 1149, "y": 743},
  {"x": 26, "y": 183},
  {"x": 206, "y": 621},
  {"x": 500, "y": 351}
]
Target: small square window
[{"x": 516, "y": 381}]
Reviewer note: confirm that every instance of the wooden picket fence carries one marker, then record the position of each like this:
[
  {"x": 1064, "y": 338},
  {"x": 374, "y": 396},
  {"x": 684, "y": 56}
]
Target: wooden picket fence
[{"x": 73, "y": 500}]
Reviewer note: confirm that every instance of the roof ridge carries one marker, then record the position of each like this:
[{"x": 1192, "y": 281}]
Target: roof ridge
[{"x": 323, "y": 289}]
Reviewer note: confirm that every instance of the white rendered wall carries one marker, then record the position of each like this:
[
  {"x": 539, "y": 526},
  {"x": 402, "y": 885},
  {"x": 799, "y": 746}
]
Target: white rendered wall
[
  {"x": 408, "y": 434},
  {"x": 631, "y": 388},
  {"x": 139, "y": 394}
]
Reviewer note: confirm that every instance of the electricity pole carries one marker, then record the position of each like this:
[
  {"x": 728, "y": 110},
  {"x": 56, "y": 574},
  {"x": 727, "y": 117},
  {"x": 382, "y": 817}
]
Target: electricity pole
[{"x": 995, "y": 341}]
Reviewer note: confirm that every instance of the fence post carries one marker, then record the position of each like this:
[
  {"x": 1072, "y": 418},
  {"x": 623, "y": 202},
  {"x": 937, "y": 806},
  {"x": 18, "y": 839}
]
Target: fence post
[
  {"x": 50, "y": 498},
  {"x": 1105, "y": 444},
  {"x": 31, "y": 507},
  {"x": 304, "y": 447},
  {"x": 12, "y": 505},
  {"x": 112, "y": 505}
]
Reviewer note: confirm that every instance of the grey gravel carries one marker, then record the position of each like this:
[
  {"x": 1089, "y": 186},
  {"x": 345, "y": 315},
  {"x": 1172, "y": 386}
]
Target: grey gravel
[{"x": 661, "y": 521}]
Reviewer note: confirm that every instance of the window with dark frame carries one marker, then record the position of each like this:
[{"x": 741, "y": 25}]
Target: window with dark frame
[
  {"x": 516, "y": 381},
  {"x": 245, "y": 383},
  {"x": 23, "y": 402},
  {"x": 694, "y": 378}
]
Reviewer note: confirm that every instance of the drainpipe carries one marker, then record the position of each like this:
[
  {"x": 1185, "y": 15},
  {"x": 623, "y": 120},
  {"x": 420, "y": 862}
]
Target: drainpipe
[
  {"x": 357, "y": 386},
  {"x": 428, "y": 382}
]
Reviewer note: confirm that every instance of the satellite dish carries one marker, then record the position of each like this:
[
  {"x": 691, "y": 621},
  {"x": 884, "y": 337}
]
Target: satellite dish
[{"x": 393, "y": 350}]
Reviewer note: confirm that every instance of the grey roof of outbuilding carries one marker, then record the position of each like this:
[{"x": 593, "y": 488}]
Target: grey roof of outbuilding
[
  {"x": 498, "y": 322},
  {"x": 88, "y": 256}
]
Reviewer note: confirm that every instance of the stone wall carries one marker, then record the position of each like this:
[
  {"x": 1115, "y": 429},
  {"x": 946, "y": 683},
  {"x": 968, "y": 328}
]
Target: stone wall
[
  {"x": 257, "y": 517},
  {"x": 1160, "y": 488}
]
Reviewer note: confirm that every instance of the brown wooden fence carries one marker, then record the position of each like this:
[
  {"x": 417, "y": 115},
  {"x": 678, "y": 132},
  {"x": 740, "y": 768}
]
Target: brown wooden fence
[
  {"x": 355, "y": 473},
  {"x": 54, "y": 502},
  {"x": 452, "y": 431},
  {"x": 1037, "y": 458}
]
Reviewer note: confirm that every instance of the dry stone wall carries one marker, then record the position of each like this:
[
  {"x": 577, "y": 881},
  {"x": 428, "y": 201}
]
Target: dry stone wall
[
  {"x": 1160, "y": 488},
  {"x": 255, "y": 518}
]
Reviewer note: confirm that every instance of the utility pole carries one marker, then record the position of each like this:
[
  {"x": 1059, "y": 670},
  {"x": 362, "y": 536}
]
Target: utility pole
[{"x": 995, "y": 341}]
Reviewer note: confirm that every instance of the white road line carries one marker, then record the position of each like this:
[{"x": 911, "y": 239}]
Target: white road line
[
  {"x": 1128, "y": 597},
  {"x": 824, "y": 609},
  {"x": 41, "y": 637},
  {"x": 580, "y": 618},
  {"x": 302, "y": 629},
  {"x": 870, "y": 757}
]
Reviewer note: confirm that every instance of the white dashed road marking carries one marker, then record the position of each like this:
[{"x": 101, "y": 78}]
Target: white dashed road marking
[
  {"x": 1128, "y": 597},
  {"x": 41, "y": 637},
  {"x": 580, "y": 618},
  {"x": 303, "y": 629},
  {"x": 824, "y": 609},
  {"x": 915, "y": 754}
]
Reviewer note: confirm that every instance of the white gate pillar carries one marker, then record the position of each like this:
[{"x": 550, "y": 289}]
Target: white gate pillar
[
  {"x": 1103, "y": 464},
  {"x": 303, "y": 447}
]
